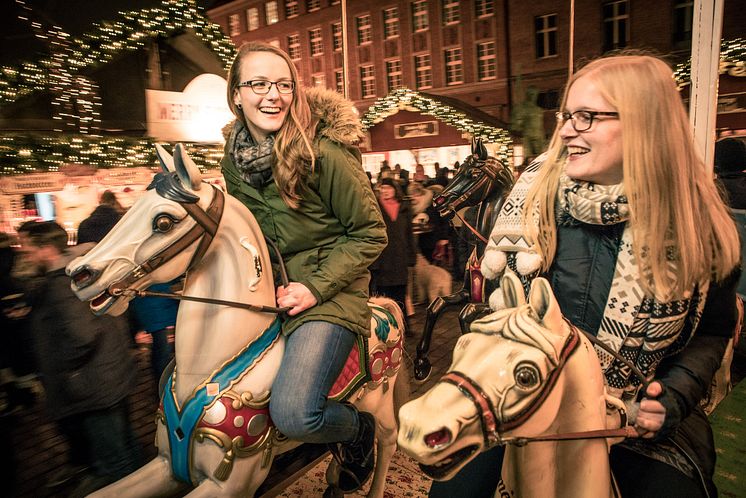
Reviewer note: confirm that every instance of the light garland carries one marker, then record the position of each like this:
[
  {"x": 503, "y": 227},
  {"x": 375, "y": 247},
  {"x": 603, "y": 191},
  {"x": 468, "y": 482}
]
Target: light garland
[
  {"x": 404, "y": 98},
  {"x": 107, "y": 39},
  {"x": 32, "y": 153},
  {"x": 732, "y": 60}
]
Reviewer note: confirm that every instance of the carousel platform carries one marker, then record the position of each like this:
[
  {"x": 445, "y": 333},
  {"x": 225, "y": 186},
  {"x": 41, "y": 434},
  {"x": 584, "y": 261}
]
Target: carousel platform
[{"x": 40, "y": 452}]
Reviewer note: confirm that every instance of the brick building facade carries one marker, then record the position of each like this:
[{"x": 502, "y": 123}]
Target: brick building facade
[{"x": 482, "y": 52}]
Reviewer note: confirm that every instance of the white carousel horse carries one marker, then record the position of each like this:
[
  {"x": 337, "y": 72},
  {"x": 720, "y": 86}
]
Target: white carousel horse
[
  {"x": 214, "y": 430},
  {"x": 522, "y": 376}
]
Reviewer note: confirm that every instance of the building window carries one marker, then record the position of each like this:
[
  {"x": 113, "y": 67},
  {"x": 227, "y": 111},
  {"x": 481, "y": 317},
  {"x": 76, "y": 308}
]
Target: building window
[
  {"x": 546, "y": 35},
  {"x": 419, "y": 15},
  {"x": 364, "y": 31},
  {"x": 339, "y": 81},
  {"x": 270, "y": 12},
  {"x": 234, "y": 25},
  {"x": 391, "y": 22},
  {"x": 616, "y": 25},
  {"x": 451, "y": 12},
  {"x": 484, "y": 8},
  {"x": 252, "y": 18},
  {"x": 393, "y": 74},
  {"x": 294, "y": 46},
  {"x": 291, "y": 8},
  {"x": 318, "y": 80},
  {"x": 423, "y": 71},
  {"x": 367, "y": 82},
  {"x": 454, "y": 66},
  {"x": 317, "y": 44},
  {"x": 312, "y": 5},
  {"x": 337, "y": 36},
  {"x": 683, "y": 12},
  {"x": 486, "y": 61}
]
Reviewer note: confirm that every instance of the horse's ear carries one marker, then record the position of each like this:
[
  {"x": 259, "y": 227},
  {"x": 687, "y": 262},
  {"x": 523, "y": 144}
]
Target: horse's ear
[
  {"x": 186, "y": 168},
  {"x": 481, "y": 150},
  {"x": 167, "y": 162},
  {"x": 512, "y": 288},
  {"x": 542, "y": 301}
]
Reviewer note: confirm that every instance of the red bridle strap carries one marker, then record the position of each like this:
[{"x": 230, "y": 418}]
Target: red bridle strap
[{"x": 473, "y": 391}]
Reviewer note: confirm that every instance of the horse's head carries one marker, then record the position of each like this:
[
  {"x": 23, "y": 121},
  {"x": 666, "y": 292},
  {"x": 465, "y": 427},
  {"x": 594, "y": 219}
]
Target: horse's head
[
  {"x": 478, "y": 178},
  {"x": 502, "y": 373},
  {"x": 159, "y": 238}
]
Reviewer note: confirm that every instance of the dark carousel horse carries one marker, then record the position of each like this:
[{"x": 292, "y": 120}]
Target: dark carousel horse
[{"x": 481, "y": 183}]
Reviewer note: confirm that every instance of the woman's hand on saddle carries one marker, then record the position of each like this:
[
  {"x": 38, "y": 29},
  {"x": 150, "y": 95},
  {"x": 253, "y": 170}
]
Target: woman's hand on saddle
[
  {"x": 652, "y": 413},
  {"x": 295, "y": 296}
]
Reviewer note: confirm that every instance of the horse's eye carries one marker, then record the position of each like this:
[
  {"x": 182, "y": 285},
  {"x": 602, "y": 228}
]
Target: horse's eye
[
  {"x": 527, "y": 376},
  {"x": 163, "y": 223}
]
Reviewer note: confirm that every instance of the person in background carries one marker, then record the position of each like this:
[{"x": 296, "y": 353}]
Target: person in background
[
  {"x": 730, "y": 161},
  {"x": 389, "y": 271},
  {"x": 102, "y": 219},
  {"x": 289, "y": 157},
  {"x": 157, "y": 317},
  {"x": 623, "y": 209},
  {"x": 86, "y": 365}
]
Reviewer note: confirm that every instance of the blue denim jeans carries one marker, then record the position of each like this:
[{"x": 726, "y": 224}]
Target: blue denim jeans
[{"x": 315, "y": 354}]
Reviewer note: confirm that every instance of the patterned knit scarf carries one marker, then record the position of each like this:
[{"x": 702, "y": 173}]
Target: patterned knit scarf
[
  {"x": 636, "y": 325},
  {"x": 254, "y": 161}
]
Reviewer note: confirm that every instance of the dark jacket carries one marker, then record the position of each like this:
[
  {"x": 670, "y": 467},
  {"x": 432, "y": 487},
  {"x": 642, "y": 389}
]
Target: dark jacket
[
  {"x": 391, "y": 266},
  {"x": 329, "y": 242},
  {"x": 581, "y": 275},
  {"x": 85, "y": 360},
  {"x": 98, "y": 224},
  {"x": 735, "y": 187}
]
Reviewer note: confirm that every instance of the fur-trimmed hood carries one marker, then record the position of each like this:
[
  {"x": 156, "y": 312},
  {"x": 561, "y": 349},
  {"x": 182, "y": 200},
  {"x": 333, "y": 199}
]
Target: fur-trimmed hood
[{"x": 337, "y": 118}]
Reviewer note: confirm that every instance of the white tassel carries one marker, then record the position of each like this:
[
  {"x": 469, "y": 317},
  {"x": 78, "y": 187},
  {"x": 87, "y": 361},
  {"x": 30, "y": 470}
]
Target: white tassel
[
  {"x": 493, "y": 263},
  {"x": 527, "y": 262},
  {"x": 497, "y": 301}
]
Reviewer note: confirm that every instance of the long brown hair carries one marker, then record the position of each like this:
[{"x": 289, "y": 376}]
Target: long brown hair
[
  {"x": 293, "y": 155},
  {"x": 676, "y": 210}
]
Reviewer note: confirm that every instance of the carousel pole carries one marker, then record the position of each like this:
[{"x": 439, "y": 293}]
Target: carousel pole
[
  {"x": 345, "y": 62},
  {"x": 571, "y": 51},
  {"x": 706, "y": 33}
]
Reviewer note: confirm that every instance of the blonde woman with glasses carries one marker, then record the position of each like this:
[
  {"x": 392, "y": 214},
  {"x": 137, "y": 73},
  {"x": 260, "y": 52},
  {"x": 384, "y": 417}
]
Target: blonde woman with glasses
[
  {"x": 624, "y": 219},
  {"x": 289, "y": 157}
]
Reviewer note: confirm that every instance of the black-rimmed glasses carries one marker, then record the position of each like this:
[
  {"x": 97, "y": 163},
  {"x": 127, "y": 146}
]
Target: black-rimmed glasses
[
  {"x": 581, "y": 120},
  {"x": 262, "y": 87}
]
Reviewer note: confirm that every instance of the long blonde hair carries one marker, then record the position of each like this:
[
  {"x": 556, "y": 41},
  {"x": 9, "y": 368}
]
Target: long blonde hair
[
  {"x": 676, "y": 210},
  {"x": 293, "y": 155}
]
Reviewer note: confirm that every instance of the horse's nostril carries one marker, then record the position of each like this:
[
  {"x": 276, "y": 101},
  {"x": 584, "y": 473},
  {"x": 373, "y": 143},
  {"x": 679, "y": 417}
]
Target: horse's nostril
[
  {"x": 83, "y": 277},
  {"x": 438, "y": 438}
]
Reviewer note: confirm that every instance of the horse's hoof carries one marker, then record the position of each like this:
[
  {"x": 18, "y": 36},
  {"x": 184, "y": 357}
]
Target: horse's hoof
[
  {"x": 422, "y": 370},
  {"x": 333, "y": 492}
]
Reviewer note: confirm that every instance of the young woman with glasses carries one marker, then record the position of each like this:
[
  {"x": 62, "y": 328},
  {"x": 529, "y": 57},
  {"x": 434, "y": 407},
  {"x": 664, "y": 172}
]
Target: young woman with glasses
[
  {"x": 623, "y": 218},
  {"x": 290, "y": 158}
]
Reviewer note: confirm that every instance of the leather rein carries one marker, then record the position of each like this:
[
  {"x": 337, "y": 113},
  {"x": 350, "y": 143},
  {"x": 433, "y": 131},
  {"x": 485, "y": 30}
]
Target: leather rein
[
  {"x": 207, "y": 222},
  {"x": 488, "y": 417}
]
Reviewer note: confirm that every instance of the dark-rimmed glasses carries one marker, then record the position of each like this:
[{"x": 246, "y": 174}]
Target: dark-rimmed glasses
[
  {"x": 262, "y": 87},
  {"x": 582, "y": 120}
]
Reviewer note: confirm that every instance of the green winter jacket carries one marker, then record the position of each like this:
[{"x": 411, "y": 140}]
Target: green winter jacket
[{"x": 328, "y": 243}]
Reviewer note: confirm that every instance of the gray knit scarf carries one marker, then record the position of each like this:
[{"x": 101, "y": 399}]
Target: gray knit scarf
[{"x": 254, "y": 161}]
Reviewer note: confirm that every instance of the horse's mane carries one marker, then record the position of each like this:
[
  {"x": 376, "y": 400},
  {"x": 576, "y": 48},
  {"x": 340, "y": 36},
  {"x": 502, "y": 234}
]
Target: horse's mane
[
  {"x": 169, "y": 186},
  {"x": 520, "y": 325}
]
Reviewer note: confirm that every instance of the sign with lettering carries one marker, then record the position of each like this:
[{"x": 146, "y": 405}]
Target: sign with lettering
[
  {"x": 197, "y": 114},
  {"x": 419, "y": 129}
]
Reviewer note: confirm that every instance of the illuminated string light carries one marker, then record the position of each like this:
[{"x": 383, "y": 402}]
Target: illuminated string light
[
  {"x": 732, "y": 61},
  {"x": 410, "y": 100}
]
